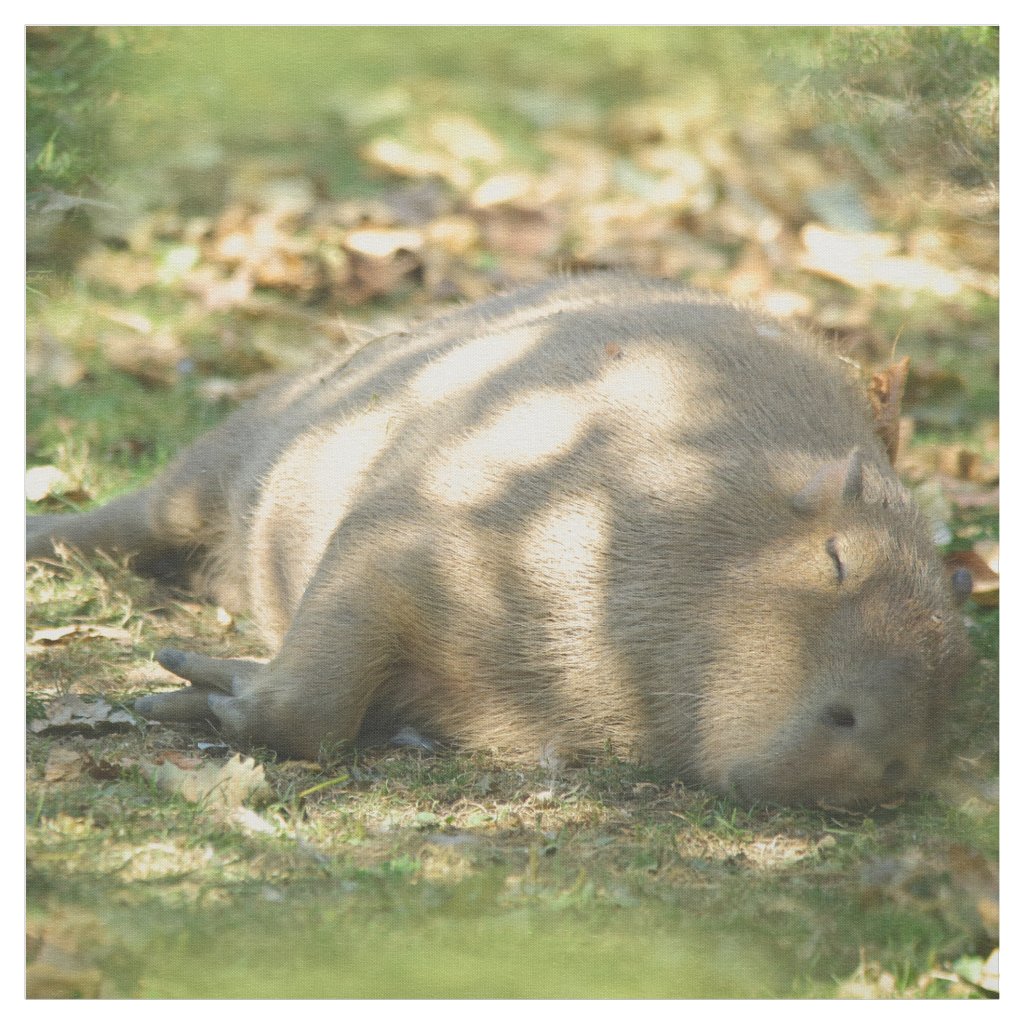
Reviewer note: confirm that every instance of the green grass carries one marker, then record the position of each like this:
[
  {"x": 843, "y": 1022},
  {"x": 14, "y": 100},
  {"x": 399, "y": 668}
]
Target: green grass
[{"x": 449, "y": 876}]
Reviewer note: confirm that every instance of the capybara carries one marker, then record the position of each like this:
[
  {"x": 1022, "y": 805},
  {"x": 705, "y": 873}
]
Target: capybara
[{"x": 592, "y": 514}]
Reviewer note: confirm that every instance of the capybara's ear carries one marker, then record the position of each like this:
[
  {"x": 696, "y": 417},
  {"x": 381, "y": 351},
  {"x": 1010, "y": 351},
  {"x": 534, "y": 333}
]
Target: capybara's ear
[{"x": 840, "y": 480}]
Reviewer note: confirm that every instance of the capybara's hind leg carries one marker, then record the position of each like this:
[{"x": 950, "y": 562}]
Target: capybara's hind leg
[
  {"x": 208, "y": 676},
  {"x": 123, "y": 525},
  {"x": 202, "y": 670},
  {"x": 299, "y": 704}
]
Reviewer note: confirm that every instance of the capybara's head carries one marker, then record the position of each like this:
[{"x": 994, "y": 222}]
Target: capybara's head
[{"x": 843, "y": 650}]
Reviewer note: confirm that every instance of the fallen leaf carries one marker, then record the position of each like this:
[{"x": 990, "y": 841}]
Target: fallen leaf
[
  {"x": 218, "y": 787},
  {"x": 42, "y": 481},
  {"x": 988, "y": 977},
  {"x": 382, "y": 243},
  {"x": 934, "y": 503},
  {"x": 988, "y": 552},
  {"x": 465, "y": 139},
  {"x": 73, "y": 714},
  {"x": 81, "y": 631},
  {"x": 514, "y": 187},
  {"x": 519, "y": 232},
  {"x": 865, "y": 259},
  {"x": 54, "y": 981},
  {"x": 964, "y": 494},
  {"x": 63, "y": 764},
  {"x": 885, "y": 393},
  {"x": 186, "y": 762},
  {"x": 397, "y": 158}
]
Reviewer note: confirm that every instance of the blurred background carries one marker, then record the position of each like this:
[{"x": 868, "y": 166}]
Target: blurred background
[{"x": 206, "y": 204}]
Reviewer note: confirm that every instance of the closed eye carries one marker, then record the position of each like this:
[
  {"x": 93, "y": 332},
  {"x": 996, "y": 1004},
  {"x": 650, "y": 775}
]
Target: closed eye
[{"x": 832, "y": 547}]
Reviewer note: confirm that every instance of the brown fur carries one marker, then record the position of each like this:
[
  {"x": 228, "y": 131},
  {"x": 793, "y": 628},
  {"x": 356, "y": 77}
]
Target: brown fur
[{"x": 603, "y": 512}]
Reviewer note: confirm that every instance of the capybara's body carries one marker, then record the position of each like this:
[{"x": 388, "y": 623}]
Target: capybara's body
[{"x": 593, "y": 514}]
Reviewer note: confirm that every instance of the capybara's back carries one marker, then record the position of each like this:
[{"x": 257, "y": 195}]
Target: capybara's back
[{"x": 589, "y": 514}]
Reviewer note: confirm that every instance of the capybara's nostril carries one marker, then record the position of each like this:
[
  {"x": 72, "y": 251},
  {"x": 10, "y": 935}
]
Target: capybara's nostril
[
  {"x": 840, "y": 717},
  {"x": 895, "y": 772}
]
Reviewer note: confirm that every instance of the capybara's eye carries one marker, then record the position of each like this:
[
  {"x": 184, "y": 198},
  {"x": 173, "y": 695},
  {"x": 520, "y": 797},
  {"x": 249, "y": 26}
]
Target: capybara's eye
[
  {"x": 840, "y": 717},
  {"x": 832, "y": 547}
]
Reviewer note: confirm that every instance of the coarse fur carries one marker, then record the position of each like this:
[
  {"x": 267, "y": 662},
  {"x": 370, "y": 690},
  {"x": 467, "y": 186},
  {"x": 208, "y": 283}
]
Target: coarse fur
[{"x": 604, "y": 512}]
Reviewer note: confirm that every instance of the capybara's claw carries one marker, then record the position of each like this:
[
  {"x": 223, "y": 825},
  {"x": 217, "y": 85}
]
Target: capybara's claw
[{"x": 171, "y": 659}]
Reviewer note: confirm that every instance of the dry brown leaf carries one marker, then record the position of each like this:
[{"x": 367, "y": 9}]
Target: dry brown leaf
[
  {"x": 466, "y": 139},
  {"x": 126, "y": 271},
  {"x": 220, "y": 787},
  {"x": 81, "y": 631},
  {"x": 42, "y": 481},
  {"x": 397, "y": 158},
  {"x": 61, "y": 951},
  {"x": 373, "y": 275},
  {"x": 383, "y": 243},
  {"x": 71, "y": 713},
  {"x": 513, "y": 187},
  {"x": 63, "y": 764},
  {"x": 152, "y": 359},
  {"x": 519, "y": 232},
  {"x": 865, "y": 259},
  {"x": 55, "y": 981},
  {"x": 885, "y": 393},
  {"x": 962, "y": 463},
  {"x": 965, "y": 494},
  {"x": 649, "y": 122},
  {"x": 186, "y": 762}
]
